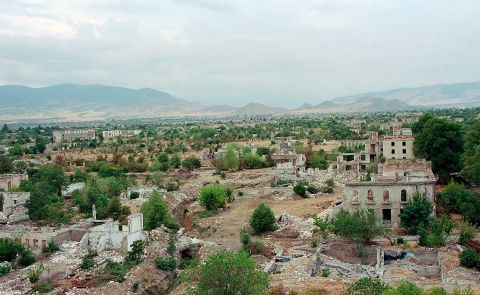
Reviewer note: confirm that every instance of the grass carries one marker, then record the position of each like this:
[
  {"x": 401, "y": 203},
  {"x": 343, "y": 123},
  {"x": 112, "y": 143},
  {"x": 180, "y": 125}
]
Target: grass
[{"x": 207, "y": 213}]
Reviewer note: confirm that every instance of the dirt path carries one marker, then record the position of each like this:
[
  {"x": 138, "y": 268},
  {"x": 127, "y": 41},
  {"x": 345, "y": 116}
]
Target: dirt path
[{"x": 231, "y": 221}]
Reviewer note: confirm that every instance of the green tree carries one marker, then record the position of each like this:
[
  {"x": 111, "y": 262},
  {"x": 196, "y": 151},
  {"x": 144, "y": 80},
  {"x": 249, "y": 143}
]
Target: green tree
[
  {"x": 155, "y": 212},
  {"x": 367, "y": 286},
  {"x": 229, "y": 273},
  {"x": 439, "y": 141},
  {"x": 360, "y": 226},
  {"x": 116, "y": 210},
  {"x": 175, "y": 161},
  {"x": 230, "y": 159},
  {"x": 213, "y": 196},
  {"x": 417, "y": 213},
  {"x": 6, "y": 164},
  {"x": 471, "y": 156},
  {"x": 318, "y": 160},
  {"x": 262, "y": 219}
]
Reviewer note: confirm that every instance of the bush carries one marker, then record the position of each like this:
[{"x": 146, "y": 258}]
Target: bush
[
  {"x": 207, "y": 213},
  {"x": 5, "y": 270},
  {"x": 360, "y": 226},
  {"x": 171, "y": 248},
  {"x": 87, "y": 260},
  {"x": 43, "y": 288},
  {"x": 245, "y": 238},
  {"x": 34, "y": 273},
  {"x": 26, "y": 257},
  {"x": 165, "y": 263},
  {"x": 155, "y": 212},
  {"x": 367, "y": 286},
  {"x": 51, "y": 247},
  {"x": 134, "y": 195},
  {"x": 213, "y": 196},
  {"x": 416, "y": 213},
  {"x": 326, "y": 272},
  {"x": 135, "y": 255},
  {"x": 300, "y": 189},
  {"x": 470, "y": 258},
  {"x": 405, "y": 288},
  {"x": 117, "y": 270},
  {"x": 231, "y": 273},
  {"x": 467, "y": 232},
  {"x": 262, "y": 219}
]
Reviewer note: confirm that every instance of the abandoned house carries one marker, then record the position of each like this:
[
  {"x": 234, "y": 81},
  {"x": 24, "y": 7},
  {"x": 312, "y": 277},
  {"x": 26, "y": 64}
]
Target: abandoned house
[
  {"x": 10, "y": 181},
  {"x": 398, "y": 147},
  {"x": 12, "y": 207},
  {"x": 391, "y": 189},
  {"x": 290, "y": 166},
  {"x": 109, "y": 134},
  {"x": 60, "y": 136},
  {"x": 358, "y": 161}
]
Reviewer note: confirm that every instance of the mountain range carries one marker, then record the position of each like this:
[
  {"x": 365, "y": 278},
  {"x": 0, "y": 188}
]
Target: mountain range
[{"x": 72, "y": 102}]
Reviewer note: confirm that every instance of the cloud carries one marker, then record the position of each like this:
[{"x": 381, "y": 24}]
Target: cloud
[{"x": 282, "y": 52}]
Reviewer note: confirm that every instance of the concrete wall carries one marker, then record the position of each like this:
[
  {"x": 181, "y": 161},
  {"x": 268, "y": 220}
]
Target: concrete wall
[
  {"x": 357, "y": 196},
  {"x": 398, "y": 148},
  {"x": 9, "y": 181}
]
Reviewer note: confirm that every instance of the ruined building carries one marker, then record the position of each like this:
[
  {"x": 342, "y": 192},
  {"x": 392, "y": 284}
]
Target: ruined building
[
  {"x": 60, "y": 136},
  {"x": 290, "y": 166},
  {"x": 391, "y": 189},
  {"x": 398, "y": 147},
  {"x": 359, "y": 161},
  {"x": 10, "y": 181},
  {"x": 109, "y": 134}
]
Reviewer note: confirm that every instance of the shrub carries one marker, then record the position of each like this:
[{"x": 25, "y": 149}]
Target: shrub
[
  {"x": 367, "y": 286},
  {"x": 405, "y": 288},
  {"x": 172, "y": 186},
  {"x": 245, "y": 238},
  {"x": 34, "y": 273},
  {"x": 262, "y": 219},
  {"x": 467, "y": 232},
  {"x": 87, "y": 260},
  {"x": 360, "y": 226},
  {"x": 5, "y": 270},
  {"x": 26, "y": 257},
  {"x": 326, "y": 272},
  {"x": 171, "y": 246},
  {"x": 43, "y": 288},
  {"x": 213, "y": 196},
  {"x": 416, "y": 213},
  {"x": 115, "y": 269},
  {"x": 470, "y": 258},
  {"x": 231, "y": 273},
  {"x": 135, "y": 255},
  {"x": 207, "y": 213},
  {"x": 165, "y": 263},
  {"x": 155, "y": 212},
  {"x": 300, "y": 189}
]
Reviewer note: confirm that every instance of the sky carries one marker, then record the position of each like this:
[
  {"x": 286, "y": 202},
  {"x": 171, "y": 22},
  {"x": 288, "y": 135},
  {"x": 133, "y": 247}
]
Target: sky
[{"x": 277, "y": 52}]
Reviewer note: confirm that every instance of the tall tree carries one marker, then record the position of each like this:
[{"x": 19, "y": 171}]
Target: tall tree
[
  {"x": 471, "y": 157},
  {"x": 439, "y": 141}
]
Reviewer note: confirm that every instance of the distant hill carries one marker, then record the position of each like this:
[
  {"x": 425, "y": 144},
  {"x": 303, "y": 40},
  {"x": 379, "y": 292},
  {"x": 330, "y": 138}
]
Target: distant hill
[
  {"x": 459, "y": 94},
  {"x": 71, "y": 102}
]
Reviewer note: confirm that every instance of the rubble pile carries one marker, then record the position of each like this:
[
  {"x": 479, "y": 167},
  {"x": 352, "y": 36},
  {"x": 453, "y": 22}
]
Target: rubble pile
[{"x": 293, "y": 223}]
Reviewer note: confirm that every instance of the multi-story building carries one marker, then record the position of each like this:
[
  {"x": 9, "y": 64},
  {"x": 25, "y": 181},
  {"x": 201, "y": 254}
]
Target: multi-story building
[
  {"x": 398, "y": 147},
  {"x": 60, "y": 136},
  {"x": 391, "y": 189},
  {"x": 109, "y": 134}
]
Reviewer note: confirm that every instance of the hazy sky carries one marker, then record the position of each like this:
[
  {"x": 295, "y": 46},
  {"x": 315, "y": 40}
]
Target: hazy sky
[{"x": 277, "y": 52}]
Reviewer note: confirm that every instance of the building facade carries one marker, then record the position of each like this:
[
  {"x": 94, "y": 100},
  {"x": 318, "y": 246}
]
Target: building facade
[
  {"x": 398, "y": 147},
  {"x": 60, "y": 136},
  {"x": 391, "y": 189},
  {"x": 109, "y": 134}
]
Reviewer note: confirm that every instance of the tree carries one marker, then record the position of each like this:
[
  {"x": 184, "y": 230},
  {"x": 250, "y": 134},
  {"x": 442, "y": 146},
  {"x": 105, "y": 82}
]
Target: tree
[
  {"x": 471, "y": 156},
  {"x": 230, "y": 273},
  {"x": 318, "y": 160},
  {"x": 300, "y": 189},
  {"x": 367, "y": 286},
  {"x": 439, "y": 141},
  {"x": 116, "y": 210},
  {"x": 135, "y": 255},
  {"x": 230, "y": 159},
  {"x": 6, "y": 164},
  {"x": 155, "y": 212},
  {"x": 360, "y": 226},
  {"x": 175, "y": 161},
  {"x": 253, "y": 161},
  {"x": 213, "y": 196},
  {"x": 417, "y": 213},
  {"x": 262, "y": 219}
]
